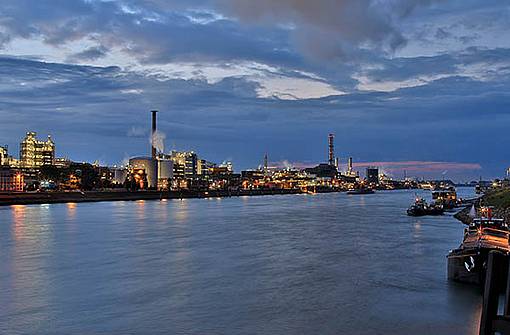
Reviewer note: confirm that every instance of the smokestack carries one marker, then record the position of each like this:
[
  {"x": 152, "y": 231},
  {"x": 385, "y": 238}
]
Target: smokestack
[
  {"x": 331, "y": 139},
  {"x": 154, "y": 129},
  {"x": 349, "y": 166}
]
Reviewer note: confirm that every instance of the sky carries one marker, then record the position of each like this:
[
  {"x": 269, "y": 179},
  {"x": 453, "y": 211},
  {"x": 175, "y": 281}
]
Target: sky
[{"x": 414, "y": 85}]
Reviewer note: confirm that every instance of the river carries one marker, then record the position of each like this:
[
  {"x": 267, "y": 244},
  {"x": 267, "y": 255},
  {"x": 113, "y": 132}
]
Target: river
[{"x": 293, "y": 264}]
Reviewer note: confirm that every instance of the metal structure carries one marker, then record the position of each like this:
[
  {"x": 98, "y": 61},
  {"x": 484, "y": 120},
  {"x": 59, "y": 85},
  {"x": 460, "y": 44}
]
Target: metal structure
[
  {"x": 331, "y": 145},
  {"x": 154, "y": 129}
]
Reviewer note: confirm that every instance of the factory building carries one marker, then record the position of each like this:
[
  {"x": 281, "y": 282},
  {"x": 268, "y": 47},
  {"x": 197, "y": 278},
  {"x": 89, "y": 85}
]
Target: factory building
[
  {"x": 165, "y": 173},
  {"x": 185, "y": 164},
  {"x": 205, "y": 167},
  {"x": 62, "y": 163},
  {"x": 323, "y": 171},
  {"x": 372, "y": 175},
  {"x": 155, "y": 172},
  {"x": 119, "y": 175},
  {"x": 227, "y": 165},
  {"x": 144, "y": 172},
  {"x": 3, "y": 156},
  {"x": 11, "y": 180},
  {"x": 35, "y": 153}
]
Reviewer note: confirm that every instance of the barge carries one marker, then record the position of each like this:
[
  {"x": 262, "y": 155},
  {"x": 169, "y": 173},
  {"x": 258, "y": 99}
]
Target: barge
[{"x": 468, "y": 263}]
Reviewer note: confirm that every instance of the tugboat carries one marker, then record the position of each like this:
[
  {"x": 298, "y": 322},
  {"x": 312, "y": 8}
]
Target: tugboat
[
  {"x": 361, "y": 190},
  {"x": 421, "y": 208},
  {"x": 447, "y": 198},
  {"x": 468, "y": 263}
]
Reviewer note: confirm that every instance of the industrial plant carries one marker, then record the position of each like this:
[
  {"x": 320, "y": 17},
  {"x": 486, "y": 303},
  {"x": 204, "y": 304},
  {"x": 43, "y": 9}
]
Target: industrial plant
[{"x": 38, "y": 169}]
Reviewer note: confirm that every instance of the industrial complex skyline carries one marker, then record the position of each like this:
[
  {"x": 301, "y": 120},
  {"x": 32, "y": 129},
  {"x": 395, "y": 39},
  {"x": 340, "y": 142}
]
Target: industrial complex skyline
[{"x": 416, "y": 85}]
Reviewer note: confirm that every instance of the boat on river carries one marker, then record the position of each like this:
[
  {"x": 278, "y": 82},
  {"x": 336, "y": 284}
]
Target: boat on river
[
  {"x": 362, "y": 190},
  {"x": 468, "y": 263},
  {"x": 447, "y": 198},
  {"x": 422, "y": 208}
]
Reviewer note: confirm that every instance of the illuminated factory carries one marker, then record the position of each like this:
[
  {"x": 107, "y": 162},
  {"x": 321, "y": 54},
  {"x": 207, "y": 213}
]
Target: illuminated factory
[
  {"x": 151, "y": 172},
  {"x": 176, "y": 170},
  {"x": 38, "y": 169},
  {"x": 35, "y": 153},
  {"x": 3, "y": 156}
]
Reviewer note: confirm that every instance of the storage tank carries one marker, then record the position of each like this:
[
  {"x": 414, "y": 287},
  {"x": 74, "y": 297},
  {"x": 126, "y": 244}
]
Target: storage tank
[
  {"x": 165, "y": 173},
  {"x": 119, "y": 175},
  {"x": 149, "y": 166},
  {"x": 165, "y": 169}
]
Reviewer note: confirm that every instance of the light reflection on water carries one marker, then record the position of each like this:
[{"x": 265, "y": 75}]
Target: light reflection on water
[{"x": 323, "y": 264}]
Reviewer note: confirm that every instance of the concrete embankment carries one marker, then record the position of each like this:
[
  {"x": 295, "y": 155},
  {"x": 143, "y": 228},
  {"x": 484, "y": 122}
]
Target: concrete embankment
[
  {"x": 499, "y": 199},
  {"x": 7, "y": 199}
]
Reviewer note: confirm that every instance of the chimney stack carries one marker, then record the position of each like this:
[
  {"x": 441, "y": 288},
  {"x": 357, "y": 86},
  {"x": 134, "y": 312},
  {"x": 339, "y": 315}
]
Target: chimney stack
[
  {"x": 154, "y": 129},
  {"x": 331, "y": 156}
]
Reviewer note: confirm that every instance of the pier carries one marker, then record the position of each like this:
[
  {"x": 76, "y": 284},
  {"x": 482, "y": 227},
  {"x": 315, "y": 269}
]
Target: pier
[{"x": 497, "y": 281}]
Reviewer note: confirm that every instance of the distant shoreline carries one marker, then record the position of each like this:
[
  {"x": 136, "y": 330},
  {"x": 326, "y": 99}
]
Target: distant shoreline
[{"x": 9, "y": 199}]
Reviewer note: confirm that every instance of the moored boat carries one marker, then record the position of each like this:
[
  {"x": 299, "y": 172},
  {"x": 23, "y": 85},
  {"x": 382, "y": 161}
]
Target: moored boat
[
  {"x": 421, "y": 208},
  {"x": 468, "y": 263},
  {"x": 447, "y": 198}
]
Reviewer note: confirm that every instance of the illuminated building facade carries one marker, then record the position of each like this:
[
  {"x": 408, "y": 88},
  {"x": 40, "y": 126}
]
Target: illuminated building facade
[
  {"x": 165, "y": 173},
  {"x": 11, "y": 180},
  {"x": 205, "y": 167},
  {"x": 62, "y": 163},
  {"x": 3, "y": 156},
  {"x": 185, "y": 164},
  {"x": 227, "y": 165},
  {"x": 35, "y": 153},
  {"x": 144, "y": 172}
]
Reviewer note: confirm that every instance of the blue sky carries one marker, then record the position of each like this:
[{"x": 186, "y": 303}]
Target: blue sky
[{"x": 399, "y": 82}]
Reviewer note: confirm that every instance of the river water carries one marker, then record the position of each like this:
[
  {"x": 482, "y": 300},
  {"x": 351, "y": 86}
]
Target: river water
[{"x": 293, "y": 264}]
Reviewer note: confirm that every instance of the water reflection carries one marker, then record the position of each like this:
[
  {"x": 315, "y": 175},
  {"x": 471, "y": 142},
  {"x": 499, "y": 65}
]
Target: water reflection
[
  {"x": 18, "y": 217},
  {"x": 28, "y": 266},
  {"x": 282, "y": 264},
  {"x": 140, "y": 210},
  {"x": 181, "y": 211},
  {"x": 71, "y": 210},
  {"x": 466, "y": 300},
  {"x": 417, "y": 228}
]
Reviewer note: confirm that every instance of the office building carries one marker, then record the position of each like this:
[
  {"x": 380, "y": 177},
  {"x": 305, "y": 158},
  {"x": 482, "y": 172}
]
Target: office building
[
  {"x": 11, "y": 180},
  {"x": 35, "y": 153},
  {"x": 3, "y": 156},
  {"x": 205, "y": 167},
  {"x": 185, "y": 164}
]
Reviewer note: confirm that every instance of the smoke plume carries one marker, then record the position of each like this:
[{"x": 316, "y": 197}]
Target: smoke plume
[{"x": 158, "y": 140}]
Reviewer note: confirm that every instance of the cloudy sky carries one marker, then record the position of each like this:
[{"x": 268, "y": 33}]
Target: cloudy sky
[{"x": 420, "y": 85}]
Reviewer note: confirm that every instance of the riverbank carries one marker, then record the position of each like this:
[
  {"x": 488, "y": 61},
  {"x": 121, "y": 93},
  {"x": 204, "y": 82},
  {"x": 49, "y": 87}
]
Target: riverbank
[
  {"x": 499, "y": 199},
  {"x": 8, "y": 199}
]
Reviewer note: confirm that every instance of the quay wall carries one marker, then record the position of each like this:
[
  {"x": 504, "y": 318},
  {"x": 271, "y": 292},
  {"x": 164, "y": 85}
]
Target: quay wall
[{"x": 7, "y": 199}]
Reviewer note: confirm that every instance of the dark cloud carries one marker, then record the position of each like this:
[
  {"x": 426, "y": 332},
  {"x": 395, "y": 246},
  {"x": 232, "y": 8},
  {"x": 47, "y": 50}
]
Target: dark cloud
[
  {"x": 485, "y": 63},
  {"x": 92, "y": 53},
  {"x": 102, "y": 113},
  {"x": 333, "y": 29},
  {"x": 460, "y": 109},
  {"x": 442, "y": 34}
]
